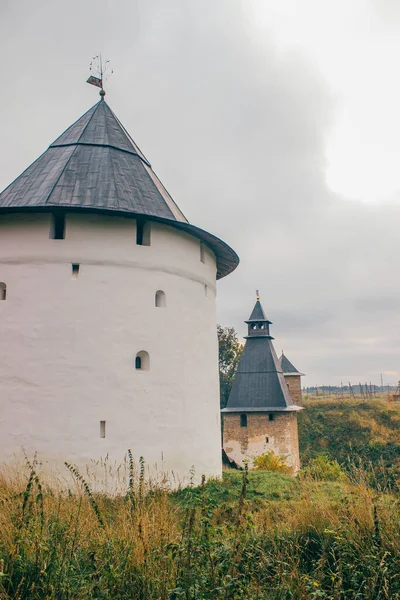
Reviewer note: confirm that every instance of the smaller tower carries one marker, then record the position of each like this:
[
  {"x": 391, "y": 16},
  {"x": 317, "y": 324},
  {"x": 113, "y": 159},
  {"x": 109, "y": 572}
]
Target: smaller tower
[
  {"x": 260, "y": 415},
  {"x": 293, "y": 379}
]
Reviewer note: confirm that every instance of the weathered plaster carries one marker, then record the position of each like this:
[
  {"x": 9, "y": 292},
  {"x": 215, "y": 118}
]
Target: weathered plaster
[
  {"x": 294, "y": 384},
  {"x": 260, "y": 436}
]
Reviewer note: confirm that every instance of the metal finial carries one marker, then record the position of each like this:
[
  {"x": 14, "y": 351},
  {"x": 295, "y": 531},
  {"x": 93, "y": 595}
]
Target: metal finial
[
  {"x": 257, "y": 295},
  {"x": 101, "y": 73}
]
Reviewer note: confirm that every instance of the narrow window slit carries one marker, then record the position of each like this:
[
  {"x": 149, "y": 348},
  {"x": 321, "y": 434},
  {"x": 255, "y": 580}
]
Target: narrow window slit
[
  {"x": 202, "y": 253},
  {"x": 102, "y": 429},
  {"x": 243, "y": 420},
  {"x": 57, "y": 228},
  {"x": 3, "y": 290},
  {"x": 75, "y": 270},
  {"x": 142, "y": 233}
]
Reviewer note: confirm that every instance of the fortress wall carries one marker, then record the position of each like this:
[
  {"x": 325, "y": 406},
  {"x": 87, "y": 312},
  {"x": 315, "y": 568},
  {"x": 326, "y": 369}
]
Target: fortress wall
[
  {"x": 260, "y": 436},
  {"x": 68, "y": 345}
]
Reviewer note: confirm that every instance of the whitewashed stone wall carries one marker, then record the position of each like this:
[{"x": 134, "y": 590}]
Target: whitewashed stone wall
[{"x": 68, "y": 345}]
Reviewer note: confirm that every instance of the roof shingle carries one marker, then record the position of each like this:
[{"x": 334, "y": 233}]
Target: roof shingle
[{"x": 96, "y": 165}]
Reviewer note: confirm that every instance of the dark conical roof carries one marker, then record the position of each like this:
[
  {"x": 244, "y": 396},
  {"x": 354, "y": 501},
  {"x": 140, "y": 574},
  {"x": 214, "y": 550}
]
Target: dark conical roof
[
  {"x": 95, "y": 165},
  {"x": 259, "y": 383},
  {"x": 258, "y": 313},
  {"x": 287, "y": 366}
]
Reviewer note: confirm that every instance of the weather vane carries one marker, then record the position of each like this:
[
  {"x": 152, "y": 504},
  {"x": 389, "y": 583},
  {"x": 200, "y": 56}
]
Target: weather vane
[
  {"x": 257, "y": 295},
  {"x": 101, "y": 72}
]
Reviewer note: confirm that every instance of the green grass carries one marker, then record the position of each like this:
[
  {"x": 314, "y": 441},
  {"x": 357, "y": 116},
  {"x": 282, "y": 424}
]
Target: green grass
[
  {"x": 351, "y": 431},
  {"x": 262, "y": 485},
  {"x": 333, "y": 532}
]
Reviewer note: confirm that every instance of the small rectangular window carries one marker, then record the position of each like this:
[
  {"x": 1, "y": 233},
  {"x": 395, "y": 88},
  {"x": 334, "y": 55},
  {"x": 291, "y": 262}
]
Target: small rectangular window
[
  {"x": 75, "y": 270},
  {"x": 271, "y": 417},
  {"x": 142, "y": 233},
  {"x": 102, "y": 429},
  {"x": 267, "y": 440},
  {"x": 202, "y": 253},
  {"x": 57, "y": 227},
  {"x": 243, "y": 420}
]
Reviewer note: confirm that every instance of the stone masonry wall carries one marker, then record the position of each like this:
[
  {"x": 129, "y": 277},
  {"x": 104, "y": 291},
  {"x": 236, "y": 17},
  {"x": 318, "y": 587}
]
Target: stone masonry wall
[
  {"x": 260, "y": 436},
  {"x": 294, "y": 384}
]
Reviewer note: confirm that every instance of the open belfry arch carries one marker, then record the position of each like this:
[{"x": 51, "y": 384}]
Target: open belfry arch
[
  {"x": 100, "y": 269},
  {"x": 260, "y": 415}
]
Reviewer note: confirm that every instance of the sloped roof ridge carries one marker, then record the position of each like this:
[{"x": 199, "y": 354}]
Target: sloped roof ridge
[
  {"x": 53, "y": 187},
  {"x": 86, "y": 126},
  {"x": 82, "y": 171},
  {"x": 69, "y": 158},
  {"x": 74, "y": 124},
  {"x": 68, "y": 139},
  {"x": 258, "y": 313},
  {"x": 286, "y": 365},
  {"x": 134, "y": 144}
]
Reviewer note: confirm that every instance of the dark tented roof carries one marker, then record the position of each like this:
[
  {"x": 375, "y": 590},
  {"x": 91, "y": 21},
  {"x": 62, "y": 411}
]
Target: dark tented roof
[
  {"x": 258, "y": 313},
  {"x": 287, "y": 366},
  {"x": 95, "y": 165},
  {"x": 259, "y": 383}
]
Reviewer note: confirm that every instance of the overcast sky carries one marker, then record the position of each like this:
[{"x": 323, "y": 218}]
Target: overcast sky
[{"x": 273, "y": 124}]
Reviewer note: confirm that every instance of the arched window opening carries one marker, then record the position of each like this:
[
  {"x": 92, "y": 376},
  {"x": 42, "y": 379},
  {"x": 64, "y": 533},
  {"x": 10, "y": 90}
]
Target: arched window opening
[
  {"x": 142, "y": 361},
  {"x": 57, "y": 226},
  {"x": 161, "y": 300},
  {"x": 3, "y": 290},
  {"x": 243, "y": 420},
  {"x": 142, "y": 233},
  {"x": 254, "y": 326},
  {"x": 202, "y": 253}
]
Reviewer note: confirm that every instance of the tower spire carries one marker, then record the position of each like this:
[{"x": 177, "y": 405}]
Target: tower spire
[{"x": 258, "y": 323}]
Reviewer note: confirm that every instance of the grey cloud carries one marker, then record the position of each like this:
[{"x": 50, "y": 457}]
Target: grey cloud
[{"x": 236, "y": 130}]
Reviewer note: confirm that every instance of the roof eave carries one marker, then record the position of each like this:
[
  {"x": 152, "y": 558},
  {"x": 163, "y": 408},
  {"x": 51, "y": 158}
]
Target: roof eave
[
  {"x": 259, "y": 321},
  {"x": 243, "y": 409},
  {"x": 226, "y": 257},
  {"x": 292, "y": 374}
]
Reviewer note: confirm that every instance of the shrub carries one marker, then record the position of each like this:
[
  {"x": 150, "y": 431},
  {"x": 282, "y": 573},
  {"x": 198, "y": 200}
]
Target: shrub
[
  {"x": 271, "y": 462},
  {"x": 324, "y": 469}
]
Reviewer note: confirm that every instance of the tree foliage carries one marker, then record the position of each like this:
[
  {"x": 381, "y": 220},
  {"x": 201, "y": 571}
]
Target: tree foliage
[{"x": 230, "y": 350}]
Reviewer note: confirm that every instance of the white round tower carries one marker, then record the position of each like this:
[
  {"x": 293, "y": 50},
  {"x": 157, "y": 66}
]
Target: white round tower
[{"x": 107, "y": 310}]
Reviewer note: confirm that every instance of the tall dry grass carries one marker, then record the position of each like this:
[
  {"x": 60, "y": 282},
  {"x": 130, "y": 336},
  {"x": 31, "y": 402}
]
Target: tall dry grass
[{"x": 234, "y": 539}]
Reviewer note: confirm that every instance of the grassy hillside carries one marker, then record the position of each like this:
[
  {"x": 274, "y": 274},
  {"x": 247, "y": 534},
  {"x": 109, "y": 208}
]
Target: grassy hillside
[
  {"x": 330, "y": 533},
  {"x": 261, "y": 537},
  {"x": 351, "y": 430}
]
